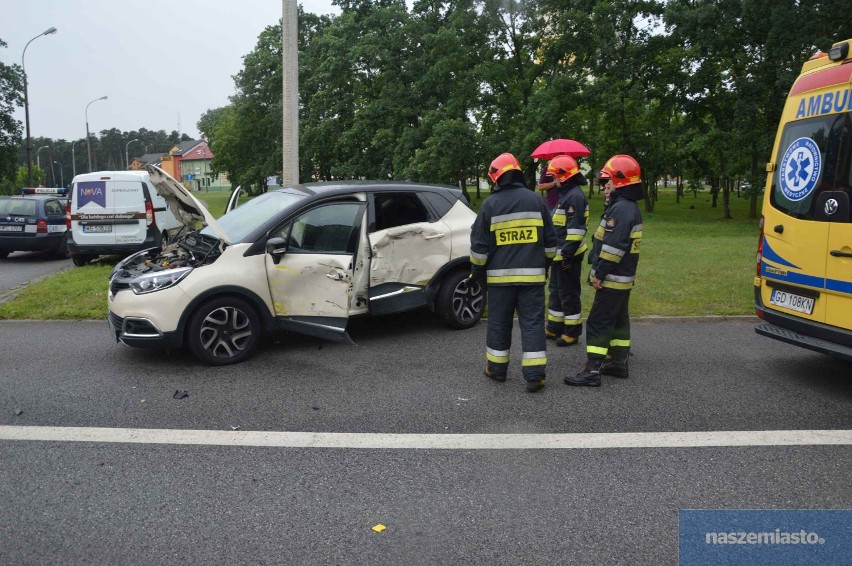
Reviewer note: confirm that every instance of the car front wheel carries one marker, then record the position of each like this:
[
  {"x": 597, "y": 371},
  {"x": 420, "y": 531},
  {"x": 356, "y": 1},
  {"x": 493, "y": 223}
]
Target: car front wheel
[
  {"x": 460, "y": 301},
  {"x": 224, "y": 331}
]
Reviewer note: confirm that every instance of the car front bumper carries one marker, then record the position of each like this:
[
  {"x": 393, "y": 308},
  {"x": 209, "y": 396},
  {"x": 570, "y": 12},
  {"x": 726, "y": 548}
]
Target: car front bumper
[{"x": 140, "y": 332}]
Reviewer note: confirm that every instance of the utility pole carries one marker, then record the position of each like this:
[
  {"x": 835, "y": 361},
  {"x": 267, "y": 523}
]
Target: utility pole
[{"x": 290, "y": 101}]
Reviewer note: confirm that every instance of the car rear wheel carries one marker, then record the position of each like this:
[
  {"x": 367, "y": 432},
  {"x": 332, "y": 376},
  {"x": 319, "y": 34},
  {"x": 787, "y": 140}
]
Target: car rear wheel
[
  {"x": 81, "y": 259},
  {"x": 460, "y": 302},
  {"x": 224, "y": 331},
  {"x": 62, "y": 250}
]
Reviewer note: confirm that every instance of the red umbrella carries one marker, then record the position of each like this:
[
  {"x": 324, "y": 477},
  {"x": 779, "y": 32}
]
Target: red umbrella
[{"x": 552, "y": 148}]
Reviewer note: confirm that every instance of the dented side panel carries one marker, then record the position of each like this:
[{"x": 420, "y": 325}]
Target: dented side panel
[
  {"x": 307, "y": 284},
  {"x": 409, "y": 254},
  {"x": 460, "y": 218}
]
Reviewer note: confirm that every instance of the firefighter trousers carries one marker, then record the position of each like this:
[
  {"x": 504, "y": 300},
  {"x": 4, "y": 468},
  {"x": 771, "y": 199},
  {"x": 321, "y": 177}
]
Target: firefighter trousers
[
  {"x": 528, "y": 300},
  {"x": 564, "y": 309},
  {"x": 608, "y": 325}
]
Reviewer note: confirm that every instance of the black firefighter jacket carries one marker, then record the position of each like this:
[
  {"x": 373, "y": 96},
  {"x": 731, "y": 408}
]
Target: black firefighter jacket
[
  {"x": 616, "y": 241},
  {"x": 569, "y": 221},
  {"x": 512, "y": 238}
]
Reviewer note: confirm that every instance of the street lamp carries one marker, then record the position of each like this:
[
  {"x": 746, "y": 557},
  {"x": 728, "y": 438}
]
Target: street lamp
[
  {"x": 61, "y": 175},
  {"x": 88, "y": 142},
  {"x": 27, "y": 106},
  {"x": 73, "y": 160},
  {"x": 38, "y": 155},
  {"x": 127, "y": 155}
]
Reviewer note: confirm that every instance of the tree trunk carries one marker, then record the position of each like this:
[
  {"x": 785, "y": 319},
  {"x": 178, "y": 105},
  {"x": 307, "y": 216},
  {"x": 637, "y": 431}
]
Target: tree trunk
[
  {"x": 463, "y": 187},
  {"x": 649, "y": 201},
  {"x": 752, "y": 206},
  {"x": 726, "y": 200}
]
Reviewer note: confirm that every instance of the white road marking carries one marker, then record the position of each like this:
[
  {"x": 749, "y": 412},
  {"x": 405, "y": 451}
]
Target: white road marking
[{"x": 430, "y": 441}]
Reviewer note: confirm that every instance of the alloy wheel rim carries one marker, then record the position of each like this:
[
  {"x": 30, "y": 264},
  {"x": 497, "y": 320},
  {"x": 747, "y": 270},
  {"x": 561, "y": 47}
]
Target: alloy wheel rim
[
  {"x": 467, "y": 300},
  {"x": 225, "y": 332}
]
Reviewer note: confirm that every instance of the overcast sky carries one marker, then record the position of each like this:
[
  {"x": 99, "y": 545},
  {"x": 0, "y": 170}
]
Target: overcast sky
[{"x": 160, "y": 62}]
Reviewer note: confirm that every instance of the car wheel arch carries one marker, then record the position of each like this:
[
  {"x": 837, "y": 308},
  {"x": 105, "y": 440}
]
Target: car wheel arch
[
  {"x": 266, "y": 318},
  {"x": 434, "y": 286}
]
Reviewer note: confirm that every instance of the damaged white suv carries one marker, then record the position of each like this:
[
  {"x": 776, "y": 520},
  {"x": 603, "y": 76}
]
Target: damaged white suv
[{"x": 304, "y": 259}]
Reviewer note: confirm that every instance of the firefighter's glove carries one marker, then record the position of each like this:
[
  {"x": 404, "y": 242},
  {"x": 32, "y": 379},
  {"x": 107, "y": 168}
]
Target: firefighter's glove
[
  {"x": 547, "y": 263},
  {"x": 477, "y": 276}
]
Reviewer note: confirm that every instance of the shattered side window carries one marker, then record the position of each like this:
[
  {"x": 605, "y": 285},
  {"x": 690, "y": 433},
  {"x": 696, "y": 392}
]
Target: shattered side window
[{"x": 398, "y": 209}]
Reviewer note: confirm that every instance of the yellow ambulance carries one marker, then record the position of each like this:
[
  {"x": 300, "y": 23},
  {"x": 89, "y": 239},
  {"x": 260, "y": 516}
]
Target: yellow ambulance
[{"x": 803, "y": 287}]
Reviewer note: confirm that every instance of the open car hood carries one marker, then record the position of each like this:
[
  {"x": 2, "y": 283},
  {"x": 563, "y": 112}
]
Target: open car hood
[{"x": 186, "y": 208}]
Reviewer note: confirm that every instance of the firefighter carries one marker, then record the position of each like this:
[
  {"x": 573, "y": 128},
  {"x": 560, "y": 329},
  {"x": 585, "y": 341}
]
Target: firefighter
[
  {"x": 512, "y": 244},
  {"x": 614, "y": 258},
  {"x": 564, "y": 322}
]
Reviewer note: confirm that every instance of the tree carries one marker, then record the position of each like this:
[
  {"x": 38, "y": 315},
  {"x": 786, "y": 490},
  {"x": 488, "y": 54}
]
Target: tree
[{"x": 11, "y": 97}]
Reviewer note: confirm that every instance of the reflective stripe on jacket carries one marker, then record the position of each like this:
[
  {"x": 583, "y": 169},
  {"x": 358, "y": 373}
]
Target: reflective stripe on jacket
[
  {"x": 513, "y": 237},
  {"x": 569, "y": 220}
]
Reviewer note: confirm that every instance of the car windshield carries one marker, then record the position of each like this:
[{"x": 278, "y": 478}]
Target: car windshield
[{"x": 239, "y": 223}]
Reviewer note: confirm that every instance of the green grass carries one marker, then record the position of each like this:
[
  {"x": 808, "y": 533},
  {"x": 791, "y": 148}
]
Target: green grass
[{"x": 693, "y": 263}]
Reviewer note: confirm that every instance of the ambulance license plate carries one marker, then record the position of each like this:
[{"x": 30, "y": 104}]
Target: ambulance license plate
[
  {"x": 100, "y": 228},
  {"x": 793, "y": 302}
]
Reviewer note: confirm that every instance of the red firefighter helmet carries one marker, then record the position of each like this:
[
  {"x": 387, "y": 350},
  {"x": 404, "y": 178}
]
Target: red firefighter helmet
[
  {"x": 502, "y": 163},
  {"x": 563, "y": 167},
  {"x": 623, "y": 170}
]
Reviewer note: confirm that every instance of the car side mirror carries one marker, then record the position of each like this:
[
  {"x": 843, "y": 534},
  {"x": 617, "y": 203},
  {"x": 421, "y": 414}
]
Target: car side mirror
[{"x": 276, "y": 247}]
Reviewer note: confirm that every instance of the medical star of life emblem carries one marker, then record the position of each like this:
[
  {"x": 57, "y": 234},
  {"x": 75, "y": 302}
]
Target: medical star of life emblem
[{"x": 800, "y": 169}]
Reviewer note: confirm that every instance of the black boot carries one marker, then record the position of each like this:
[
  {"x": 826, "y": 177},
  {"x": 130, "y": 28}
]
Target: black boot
[
  {"x": 617, "y": 365},
  {"x": 589, "y": 376},
  {"x": 501, "y": 377}
]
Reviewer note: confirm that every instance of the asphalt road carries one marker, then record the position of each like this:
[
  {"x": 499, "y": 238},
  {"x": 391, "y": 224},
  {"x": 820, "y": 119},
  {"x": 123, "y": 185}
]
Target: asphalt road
[
  {"x": 99, "y": 502},
  {"x": 20, "y": 268}
]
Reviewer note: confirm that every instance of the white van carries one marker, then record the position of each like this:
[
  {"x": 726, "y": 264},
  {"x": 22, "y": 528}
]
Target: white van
[{"x": 116, "y": 213}]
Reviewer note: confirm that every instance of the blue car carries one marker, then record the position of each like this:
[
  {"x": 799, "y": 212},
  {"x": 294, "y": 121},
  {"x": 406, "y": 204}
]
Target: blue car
[{"x": 34, "y": 221}]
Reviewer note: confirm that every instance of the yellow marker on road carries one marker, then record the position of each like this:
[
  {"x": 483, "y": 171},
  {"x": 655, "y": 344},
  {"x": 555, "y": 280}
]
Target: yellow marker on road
[{"x": 379, "y": 528}]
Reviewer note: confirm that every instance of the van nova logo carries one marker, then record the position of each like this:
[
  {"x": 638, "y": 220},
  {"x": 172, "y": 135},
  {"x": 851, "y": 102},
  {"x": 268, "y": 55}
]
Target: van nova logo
[{"x": 93, "y": 191}]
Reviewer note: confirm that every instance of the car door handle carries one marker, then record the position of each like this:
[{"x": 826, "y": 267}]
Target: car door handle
[
  {"x": 838, "y": 253},
  {"x": 433, "y": 236}
]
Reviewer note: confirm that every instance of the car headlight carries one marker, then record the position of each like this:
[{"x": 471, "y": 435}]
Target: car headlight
[{"x": 158, "y": 280}]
